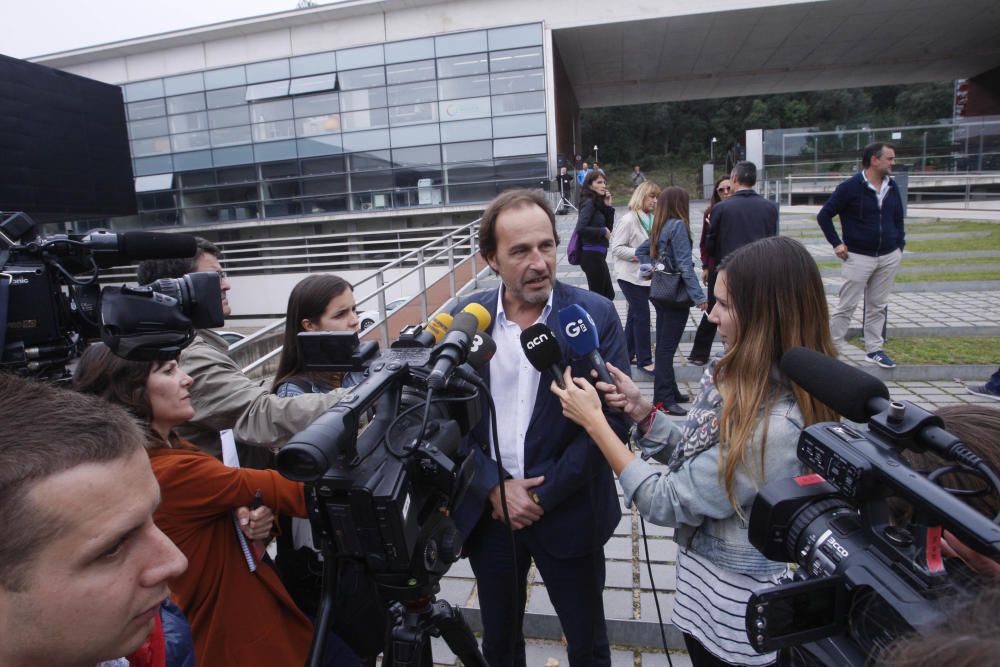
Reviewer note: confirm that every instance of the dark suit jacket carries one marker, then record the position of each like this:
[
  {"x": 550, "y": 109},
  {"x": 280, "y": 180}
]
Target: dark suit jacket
[
  {"x": 578, "y": 495},
  {"x": 741, "y": 219}
]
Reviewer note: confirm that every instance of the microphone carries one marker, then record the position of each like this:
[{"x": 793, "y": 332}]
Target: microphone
[
  {"x": 111, "y": 249},
  {"x": 453, "y": 349},
  {"x": 543, "y": 351},
  {"x": 581, "y": 332},
  {"x": 482, "y": 315},
  {"x": 482, "y": 350},
  {"x": 847, "y": 390},
  {"x": 438, "y": 326}
]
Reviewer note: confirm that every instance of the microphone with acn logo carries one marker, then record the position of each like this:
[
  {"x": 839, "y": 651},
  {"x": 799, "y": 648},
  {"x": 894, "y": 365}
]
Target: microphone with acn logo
[
  {"x": 581, "y": 332},
  {"x": 542, "y": 350}
]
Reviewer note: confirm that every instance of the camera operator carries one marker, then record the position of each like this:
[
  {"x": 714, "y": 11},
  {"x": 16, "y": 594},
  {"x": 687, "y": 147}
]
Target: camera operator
[
  {"x": 222, "y": 396},
  {"x": 83, "y": 568},
  {"x": 741, "y": 432}
]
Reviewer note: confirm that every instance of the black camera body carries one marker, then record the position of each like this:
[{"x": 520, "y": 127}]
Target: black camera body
[{"x": 862, "y": 581}]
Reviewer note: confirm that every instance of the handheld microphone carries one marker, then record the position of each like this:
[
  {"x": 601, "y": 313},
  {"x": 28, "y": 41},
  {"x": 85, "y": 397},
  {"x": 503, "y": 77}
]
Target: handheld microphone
[
  {"x": 482, "y": 315},
  {"x": 438, "y": 326},
  {"x": 482, "y": 350},
  {"x": 543, "y": 351},
  {"x": 581, "y": 332},
  {"x": 453, "y": 349}
]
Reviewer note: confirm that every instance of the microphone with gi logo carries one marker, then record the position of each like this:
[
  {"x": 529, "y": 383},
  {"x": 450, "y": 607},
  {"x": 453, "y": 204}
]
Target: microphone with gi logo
[{"x": 581, "y": 332}]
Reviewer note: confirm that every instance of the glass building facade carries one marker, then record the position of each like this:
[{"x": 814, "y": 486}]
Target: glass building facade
[{"x": 441, "y": 120}]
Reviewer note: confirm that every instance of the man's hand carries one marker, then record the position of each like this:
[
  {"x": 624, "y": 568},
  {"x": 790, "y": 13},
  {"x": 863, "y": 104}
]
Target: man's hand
[
  {"x": 256, "y": 524},
  {"x": 841, "y": 251},
  {"x": 521, "y": 507}
]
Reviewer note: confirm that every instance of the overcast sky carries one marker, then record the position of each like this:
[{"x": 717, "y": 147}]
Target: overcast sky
[{"x": 38, "y": 27}]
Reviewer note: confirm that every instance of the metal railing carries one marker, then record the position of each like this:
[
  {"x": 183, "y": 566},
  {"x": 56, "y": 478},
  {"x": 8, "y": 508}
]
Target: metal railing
[{"x": 258, "y": 353}]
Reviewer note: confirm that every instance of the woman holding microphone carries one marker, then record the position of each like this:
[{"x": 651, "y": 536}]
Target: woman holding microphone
[{"x": 741, "y": 433}]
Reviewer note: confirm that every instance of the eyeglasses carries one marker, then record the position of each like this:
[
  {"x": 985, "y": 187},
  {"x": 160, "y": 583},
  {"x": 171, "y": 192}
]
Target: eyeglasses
[
  {"x": 222, "y": 275},
  {"x": 725, "y": 189}
]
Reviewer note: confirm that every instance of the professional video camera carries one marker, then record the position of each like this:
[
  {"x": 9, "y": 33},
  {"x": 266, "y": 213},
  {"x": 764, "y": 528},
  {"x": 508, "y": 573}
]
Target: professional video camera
[
  {"x": 862, "y": 581},
  {"x": 51, "y": 303},
  {"x": 383, "y": 498}
]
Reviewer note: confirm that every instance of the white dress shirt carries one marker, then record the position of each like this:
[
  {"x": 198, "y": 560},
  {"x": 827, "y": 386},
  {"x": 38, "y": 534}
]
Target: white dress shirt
[{"x": 513, "y": 384}]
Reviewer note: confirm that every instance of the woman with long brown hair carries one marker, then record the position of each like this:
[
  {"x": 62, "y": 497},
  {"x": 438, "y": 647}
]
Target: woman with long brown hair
[
  {"x": 705, "y": 335},
  {"x": 594, "y": 221},
  {"x": 741, "y": 433},
  {"x": 671, "y": 252}
]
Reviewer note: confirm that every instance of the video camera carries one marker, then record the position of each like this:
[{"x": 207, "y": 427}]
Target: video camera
[
  {"x": 51, "y": 302},
  {"x": 383, "y": 497},
  {"x": 862, "y": 581}
]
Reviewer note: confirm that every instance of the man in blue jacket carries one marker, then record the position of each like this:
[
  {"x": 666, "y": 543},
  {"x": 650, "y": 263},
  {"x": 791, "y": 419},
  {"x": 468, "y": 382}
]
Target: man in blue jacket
[
  {"x": 560, "y": 492},
  {"x": 871, "y": 219}
]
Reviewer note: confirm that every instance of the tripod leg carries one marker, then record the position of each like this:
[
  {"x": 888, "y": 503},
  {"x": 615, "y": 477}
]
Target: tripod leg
[
  {"x": 457, "y": 634},
  {"x": 409, "y": 645},
  {"x": 322, "y": 625}
]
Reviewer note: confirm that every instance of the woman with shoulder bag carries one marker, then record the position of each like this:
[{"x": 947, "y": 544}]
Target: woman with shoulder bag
[
  {"x": 628, "y": 234},
  {"x": 671, "y": 254},
  {"x": 593, "y": 226}
]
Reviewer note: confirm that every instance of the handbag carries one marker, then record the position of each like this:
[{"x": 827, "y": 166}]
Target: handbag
[
  {"x": 667, "y": 288},
  {"x": 574, "y": 249}
]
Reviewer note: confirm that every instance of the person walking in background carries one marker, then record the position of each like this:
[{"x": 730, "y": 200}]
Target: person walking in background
[
  {"x": 593, "y": 226},
  {"x": 581, "y": 173},
  {"x": 705, "y": 336},
  {"x": 638, "y": 178},
  {"x": 629, "y": 232},
  {"x": 672, "y": 249},
  {"x": 871, "y": 221}
]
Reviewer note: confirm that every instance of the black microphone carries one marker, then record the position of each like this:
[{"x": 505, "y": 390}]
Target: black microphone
[
  {"x": 453, "y": 349},
  {"x": 482, "y": 350},
  {"x": 847, "y": 390},
  {"x": 581, "y": 332},
  {"x": 543, "y": 351},
  {"x": 111, "y": 249}
]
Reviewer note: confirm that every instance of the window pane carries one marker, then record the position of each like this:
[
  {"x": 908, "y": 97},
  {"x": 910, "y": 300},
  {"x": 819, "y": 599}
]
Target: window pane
[
  {"x": 362, "y": 78},
  {"x": 325, "y": 165},
  {"x": 279, "y": 129},
  {"x": 288, "y": 169},
  {"x": 271, "y": 70},
  {"x": 519, "y": 35},
  {"x": 412, "y": 93},
  {"x": 514, "y": 126},
  {"x": 326, "y": 145},
  {"x": 312, "y": 84},
  {"x": 366, "y": 141},
  {"x": 474, "y": 107},
  {"x": 469, "y": 151},
  {"x": 530, "y": 169},
  {"x": 146, "y": 109},
  {"x": 189, "y": 142},
  {"x": 363, "y": 56},
  {"x": 411, "y": 157},
  {"x": 473, "y": 63},
  {"x": 410, "y": 177},
  {"x": 143, "y": 90},
  {"x": 413, "y": 49},
  {"x": 517, "y": 82},
  {"x": 224, "y": 78},
  {"x": 264, "y": 111},
  {"x": 364, "y": 120},
  {"x": 410, "y": 114},
  {"x": 519, "y": 146},
  {"x": 471, "y": 172},
  {"x": 226, "y": 97},
  {"x": 262, "y": 91},
  {"x": 140, "y": 129},
  {"x": 316, "y": 105},
  {"x": 356, "y": 100},
  {"x": 421, "y": 70},
  {"x": 315, "y": 125},
  {"x": 463, "y": 42},
  {"x": 231, "y": 136},
  {"x": 317, "y": 63},
  {"x": 154, "y": 146},
  {"x": 275, "y": 150},
  {"x": 237, "y": 174},
  {"x": 193, "y": 160},
  {"x": 226, "y": 156},
  {"x": 504, "y": 61},
  {"x": 370, "y": 160},
  {"x": 371, "y": 180},
  {"x": 470, "y": 86},
  {"x": 319, "y": 186},
  {"x": 416, "y": 135},
  {"x": 153, "y": 165},
  {"x": 504, "y": 105},
  {"x": 188, "y": 122},
  {"x": 186, "y": 103},
  {"x": 228, "y": 117},
  {"x": 466, "y": 130},
  {"x": 198, "y": 179},
  {"x": 185, "y": 83}
]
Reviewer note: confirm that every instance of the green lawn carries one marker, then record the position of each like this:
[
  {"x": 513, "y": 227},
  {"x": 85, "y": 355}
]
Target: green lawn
[{"x": 951, "y": 350}]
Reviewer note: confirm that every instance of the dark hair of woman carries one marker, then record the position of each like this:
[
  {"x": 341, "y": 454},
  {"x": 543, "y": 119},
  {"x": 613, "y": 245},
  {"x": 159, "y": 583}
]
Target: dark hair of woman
[
  {"x": 307, "y": 301},
  {"x": 673, "y": 204},
  {"x": 103, "y": 373},
  {"x": 587, "y": 192},
  {"x": 716, "y": 197}
]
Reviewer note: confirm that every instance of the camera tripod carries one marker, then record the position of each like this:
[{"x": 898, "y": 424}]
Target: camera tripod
[{"x": 563, "y": 202}]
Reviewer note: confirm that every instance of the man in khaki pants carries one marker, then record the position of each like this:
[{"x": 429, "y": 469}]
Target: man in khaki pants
[{"x": 871, "y": 220}]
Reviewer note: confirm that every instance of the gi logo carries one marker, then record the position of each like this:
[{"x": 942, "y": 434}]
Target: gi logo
[{"x": 575, "y": 328}]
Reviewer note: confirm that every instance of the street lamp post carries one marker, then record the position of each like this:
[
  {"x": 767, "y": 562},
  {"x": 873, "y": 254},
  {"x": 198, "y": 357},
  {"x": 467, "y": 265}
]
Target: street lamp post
[
  {"x": 711, "y": 150},
  {"x": 596, "y": 158}
]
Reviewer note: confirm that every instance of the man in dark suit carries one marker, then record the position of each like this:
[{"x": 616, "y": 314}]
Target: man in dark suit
[{"x": 560, "y": 493}]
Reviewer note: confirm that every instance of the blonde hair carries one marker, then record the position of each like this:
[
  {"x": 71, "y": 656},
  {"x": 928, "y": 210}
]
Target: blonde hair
[
  {"x": 639, "y": 196},
  {"x": 777, "y": 295}
]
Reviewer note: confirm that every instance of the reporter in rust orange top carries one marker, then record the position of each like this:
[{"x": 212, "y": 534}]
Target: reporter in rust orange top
[{"x": 237, "y": 617}]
